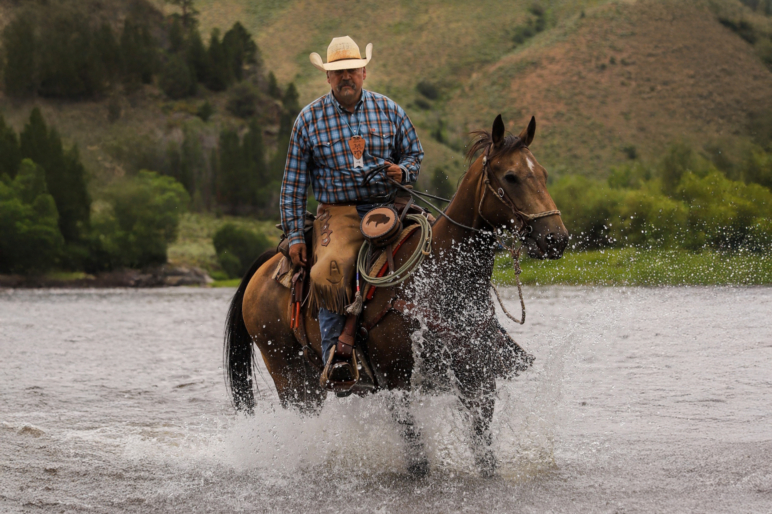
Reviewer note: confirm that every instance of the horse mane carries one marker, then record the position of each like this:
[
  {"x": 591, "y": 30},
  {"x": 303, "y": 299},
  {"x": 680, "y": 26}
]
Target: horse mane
[{"x": 484, "y": 139}]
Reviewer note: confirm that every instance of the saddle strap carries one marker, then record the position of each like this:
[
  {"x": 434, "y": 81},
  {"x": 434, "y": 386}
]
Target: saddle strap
[{"x": 297, "y": 320}]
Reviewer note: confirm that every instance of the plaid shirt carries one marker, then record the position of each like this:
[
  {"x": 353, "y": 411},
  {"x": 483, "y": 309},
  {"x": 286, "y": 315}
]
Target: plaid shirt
[{"x": 319, "y": 153}]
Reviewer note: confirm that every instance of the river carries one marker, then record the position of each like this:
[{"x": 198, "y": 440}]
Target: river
[{"x": 640, "y": 400}]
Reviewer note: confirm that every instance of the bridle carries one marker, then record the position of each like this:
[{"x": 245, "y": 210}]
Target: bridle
[{"x": 490, "y": 183}]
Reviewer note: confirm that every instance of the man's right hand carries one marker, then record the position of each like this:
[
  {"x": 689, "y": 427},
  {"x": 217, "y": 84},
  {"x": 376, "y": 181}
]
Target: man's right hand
[{"x": 297, "y": 254}]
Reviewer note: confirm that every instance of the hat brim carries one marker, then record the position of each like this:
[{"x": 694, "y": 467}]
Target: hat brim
[{"x": 345, "y": 64}]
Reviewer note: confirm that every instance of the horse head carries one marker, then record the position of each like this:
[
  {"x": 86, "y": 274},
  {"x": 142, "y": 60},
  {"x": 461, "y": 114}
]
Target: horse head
[{"x": 513, "y": 190}]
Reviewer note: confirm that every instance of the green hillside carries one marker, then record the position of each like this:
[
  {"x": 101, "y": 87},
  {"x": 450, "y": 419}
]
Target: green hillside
[{"x": 601, "y": 77}]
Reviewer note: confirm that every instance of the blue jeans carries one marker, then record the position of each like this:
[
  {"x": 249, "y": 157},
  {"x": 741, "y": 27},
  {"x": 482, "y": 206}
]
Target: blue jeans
[{"x": 330, "y": 323}]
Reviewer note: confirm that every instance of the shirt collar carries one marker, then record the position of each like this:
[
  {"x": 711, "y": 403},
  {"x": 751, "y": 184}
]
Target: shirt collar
[{"x": 339, "y": 108}]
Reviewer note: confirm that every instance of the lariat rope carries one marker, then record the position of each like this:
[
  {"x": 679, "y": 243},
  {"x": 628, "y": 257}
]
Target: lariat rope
[{"x": 423, "y": 249}]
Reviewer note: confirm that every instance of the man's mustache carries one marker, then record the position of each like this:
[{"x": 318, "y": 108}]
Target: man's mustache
[{"x": 344, "y": 84}]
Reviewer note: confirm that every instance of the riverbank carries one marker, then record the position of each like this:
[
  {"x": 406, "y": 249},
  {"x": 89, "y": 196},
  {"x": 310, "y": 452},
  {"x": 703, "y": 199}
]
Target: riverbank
[
  {"x": 161, "y": 276},
  {"x": 633, "y": 267}
]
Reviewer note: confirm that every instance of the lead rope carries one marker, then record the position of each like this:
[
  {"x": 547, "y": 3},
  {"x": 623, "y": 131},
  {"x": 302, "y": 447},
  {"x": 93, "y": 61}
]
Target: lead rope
[{"x": 515, "y": 253}]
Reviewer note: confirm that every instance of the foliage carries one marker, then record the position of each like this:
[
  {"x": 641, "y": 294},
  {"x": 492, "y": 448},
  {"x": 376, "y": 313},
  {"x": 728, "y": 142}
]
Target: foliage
[
  {"x": 428, "y": 89},
  {"x": 10, "y": 154},
  {"x": 177, "y": 80},
  {"x": 31, "y": 241},
  {"x": 242, "y": 100},
  {"x": 142, "y": 219},
  {"x": 238, "y": 247},
  {"x": 205, "y": 111},
  {"x": 65, "y": 175},
  {"x": 440, "y": 185},
  {"x": 243, "y": 182}
]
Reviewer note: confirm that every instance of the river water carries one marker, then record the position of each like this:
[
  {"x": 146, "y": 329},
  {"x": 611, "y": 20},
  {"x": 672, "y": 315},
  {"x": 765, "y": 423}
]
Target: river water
[{"x": 640, "y": 400}]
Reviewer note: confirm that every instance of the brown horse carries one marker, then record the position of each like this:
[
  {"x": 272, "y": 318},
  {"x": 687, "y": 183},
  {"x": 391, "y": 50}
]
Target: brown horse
[{"x": 464, "y": 347}]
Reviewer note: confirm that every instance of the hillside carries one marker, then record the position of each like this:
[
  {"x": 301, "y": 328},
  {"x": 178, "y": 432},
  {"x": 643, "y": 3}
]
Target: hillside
[{"x": 602, "y": 76}]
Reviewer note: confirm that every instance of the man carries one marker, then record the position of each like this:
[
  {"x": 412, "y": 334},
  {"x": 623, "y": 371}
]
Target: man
[{"x": 337, "y": 139}]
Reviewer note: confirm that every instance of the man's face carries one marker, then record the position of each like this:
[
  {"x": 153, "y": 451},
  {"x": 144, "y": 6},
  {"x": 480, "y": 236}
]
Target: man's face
[{"x": 347, "y": 84}]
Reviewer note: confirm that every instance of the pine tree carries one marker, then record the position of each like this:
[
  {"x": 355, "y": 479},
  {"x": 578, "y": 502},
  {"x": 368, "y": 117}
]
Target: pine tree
[
  {"x": 176, "y": 80},
  {"x": 290, "y": 111},
  {"x": 219, "y": 75},
  {"x": 189, "y": 12},
  {"x": 197, "y": 57},
  {"x": 19, "y": 57},
  {"x": 273, "y": 87},
  {"x": 231, "y": 164},
  {"x": 10, "y": 154},
  {"x": 176, "y": 36},
  {"x": 240, "y": 48},
  {"x": 109, "y": 50},
  {"x": 65, "y": 175}
]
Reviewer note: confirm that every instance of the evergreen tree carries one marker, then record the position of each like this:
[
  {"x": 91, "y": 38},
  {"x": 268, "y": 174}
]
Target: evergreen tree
[
  {"x": 231, "y": 169},
  {"x": 440, "y": 184},
  {"x": 176, "y": 36},
  {"x": 69, "y": 64},
  {"x": 273, "y": 87},
  {"x": 176, "y": 80},
  {"x": 19, "y": 57},
  {"x": 65, "y": 175},
  {"x": 10, "y": 154},
  {"x": 189, "y": 12},
  {"x": 109, "y": 50},
  {"x": 197, "y": 57},
  {"x": 240, "y": 48},
  {"x": 139, "y": 55},
  {"x": 290, "y": 111},
  {"x": 219, "y": 75}
]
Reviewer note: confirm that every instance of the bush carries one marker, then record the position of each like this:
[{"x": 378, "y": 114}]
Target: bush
[
  {"x": 589, "y": 209},
  {"x": 31, "y": 241},
  {"x": 237, "y": 248},
  {"x": 205, "y": 111},
  {"x": 142, "y": 220},
  {"x": 428, "y": 89}
]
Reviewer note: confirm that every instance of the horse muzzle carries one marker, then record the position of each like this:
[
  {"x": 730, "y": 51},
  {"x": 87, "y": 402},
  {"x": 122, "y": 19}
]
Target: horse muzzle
[{"x": 547, "y": 239}]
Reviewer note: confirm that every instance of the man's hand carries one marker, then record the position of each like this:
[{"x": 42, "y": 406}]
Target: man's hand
[
  {"x": 394, "y": 172},
  {"x": 298, "y": 254}
]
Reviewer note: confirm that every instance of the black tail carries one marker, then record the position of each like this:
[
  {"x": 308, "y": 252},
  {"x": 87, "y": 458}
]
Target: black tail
[{"x": 238, "y": 353}]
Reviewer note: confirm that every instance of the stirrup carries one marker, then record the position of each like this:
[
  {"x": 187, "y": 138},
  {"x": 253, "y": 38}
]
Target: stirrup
[{"x": 340, "y": 376}]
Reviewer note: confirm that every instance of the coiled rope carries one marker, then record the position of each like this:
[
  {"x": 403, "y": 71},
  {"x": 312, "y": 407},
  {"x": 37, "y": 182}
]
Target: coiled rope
[{"x": 422, "y": 250}]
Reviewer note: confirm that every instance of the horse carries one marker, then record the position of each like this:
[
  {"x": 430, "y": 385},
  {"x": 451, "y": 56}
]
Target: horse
[{"x": 504, "y": 188}]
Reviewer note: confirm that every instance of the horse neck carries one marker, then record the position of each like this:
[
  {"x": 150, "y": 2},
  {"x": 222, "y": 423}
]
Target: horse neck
[{"x": 451, "y": 240}]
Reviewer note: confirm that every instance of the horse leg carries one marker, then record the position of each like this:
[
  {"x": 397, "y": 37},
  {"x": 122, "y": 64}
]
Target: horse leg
[
  {"x": 478, "y": 399},
  {"x": 417, "y": 461}
]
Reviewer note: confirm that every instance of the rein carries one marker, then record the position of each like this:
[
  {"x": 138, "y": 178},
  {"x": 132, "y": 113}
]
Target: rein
[{"x": 520, "y": 233}]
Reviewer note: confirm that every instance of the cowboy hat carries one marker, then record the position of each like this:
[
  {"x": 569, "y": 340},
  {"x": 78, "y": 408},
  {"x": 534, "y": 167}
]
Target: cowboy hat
[{"x": 342, "y": 54}]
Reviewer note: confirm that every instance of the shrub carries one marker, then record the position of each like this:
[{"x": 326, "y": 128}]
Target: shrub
[
  {"x": 142, "y": 220},
  {"x": 237, "y": 248},
  {"x": 205, "y": 111},
  {"x": 589, "y": 209},
  {"x": 428, "y": 89}
]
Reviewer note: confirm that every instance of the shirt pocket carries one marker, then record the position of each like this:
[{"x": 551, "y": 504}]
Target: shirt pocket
[
  {"x": 381, "y": 142},
  {"x": 326, "y": 152}
]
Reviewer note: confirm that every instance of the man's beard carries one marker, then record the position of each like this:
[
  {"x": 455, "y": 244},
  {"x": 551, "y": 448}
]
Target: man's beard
[{"x": 347, "y": 92}]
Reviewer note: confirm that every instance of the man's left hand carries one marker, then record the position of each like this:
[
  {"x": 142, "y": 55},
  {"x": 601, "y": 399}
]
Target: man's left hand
[{"x": 394, "y": 172}]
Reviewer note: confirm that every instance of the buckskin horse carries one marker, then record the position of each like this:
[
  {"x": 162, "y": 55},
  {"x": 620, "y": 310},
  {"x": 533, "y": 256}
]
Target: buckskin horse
[{"x": 504, "y": 189}]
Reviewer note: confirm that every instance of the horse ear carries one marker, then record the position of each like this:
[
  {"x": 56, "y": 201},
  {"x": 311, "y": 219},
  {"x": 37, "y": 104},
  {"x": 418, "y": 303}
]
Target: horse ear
[
  {"x": 497, "y": 133},
  {"x": 529, "y": 132}
]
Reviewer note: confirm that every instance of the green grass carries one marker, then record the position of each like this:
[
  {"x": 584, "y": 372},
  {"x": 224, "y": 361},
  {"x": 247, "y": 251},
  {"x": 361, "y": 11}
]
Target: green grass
[
  {"x": 194, "y": 247},
  {"x": 632, "y": 267},
  {"x": 231, "y": 282}
]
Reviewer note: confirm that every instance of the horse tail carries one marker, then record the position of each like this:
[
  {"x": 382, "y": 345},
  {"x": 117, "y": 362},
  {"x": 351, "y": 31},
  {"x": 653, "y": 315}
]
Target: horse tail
[{"x": 238, "y": 351}]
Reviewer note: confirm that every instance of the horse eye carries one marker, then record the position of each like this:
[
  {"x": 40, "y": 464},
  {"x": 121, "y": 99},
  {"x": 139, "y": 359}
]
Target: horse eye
[{"x": 511, "y": 178}]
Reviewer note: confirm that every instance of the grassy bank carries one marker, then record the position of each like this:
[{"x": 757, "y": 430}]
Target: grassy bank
[
  {"x": 194, "y": 247},
  {"x": 631, "y": 267}
]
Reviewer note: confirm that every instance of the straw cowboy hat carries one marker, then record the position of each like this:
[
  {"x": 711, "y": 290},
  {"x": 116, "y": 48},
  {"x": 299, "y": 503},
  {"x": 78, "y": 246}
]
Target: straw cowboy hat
[{"x": 342, "y": 54}]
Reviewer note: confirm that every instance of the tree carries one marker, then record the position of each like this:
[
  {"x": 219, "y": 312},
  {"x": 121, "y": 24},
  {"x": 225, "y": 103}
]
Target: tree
[
  {"x": 65, "y": 175},
  {"x": 273, "y": 87},
  {"x": 240, "y": 48},
  {"x": 290, "y": 111},
  {"x": 31, "y": 241},
  {"x": 18, "y": 58},
  {"x": 219, "y": 73},
  {"x": 189, "y": 12},
  {"x": 10, "y": 154},
  {"x": 109, "y": 50},
  {"x": 177, "y": 80},
  {"x": 242, "y": 101},
  {"x": 145, "y": 217},
  {"x": 197, "y": 57}
]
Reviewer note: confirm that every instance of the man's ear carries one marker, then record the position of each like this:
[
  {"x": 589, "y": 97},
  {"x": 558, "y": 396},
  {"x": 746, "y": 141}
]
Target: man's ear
[
  {"x": 364, "y": 73},
  {"x": 328, "y": 77}
]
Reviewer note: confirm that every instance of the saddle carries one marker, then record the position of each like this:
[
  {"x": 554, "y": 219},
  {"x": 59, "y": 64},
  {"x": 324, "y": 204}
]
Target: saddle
[{"x": 383, "y": 228}]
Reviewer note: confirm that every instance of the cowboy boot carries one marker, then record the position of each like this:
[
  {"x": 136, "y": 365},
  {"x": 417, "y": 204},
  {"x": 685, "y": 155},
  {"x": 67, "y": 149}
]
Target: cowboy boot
[{"x": 340, "y": 371}]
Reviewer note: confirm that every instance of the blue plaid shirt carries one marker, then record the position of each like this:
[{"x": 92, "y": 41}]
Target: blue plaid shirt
[{"x": 319, "y": 153}]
